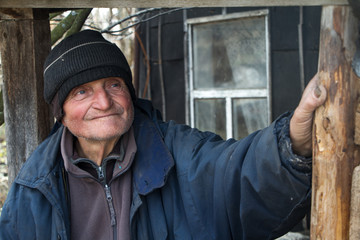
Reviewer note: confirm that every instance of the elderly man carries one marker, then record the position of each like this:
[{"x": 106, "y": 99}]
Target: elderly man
[{"x": 114, "y": 170}]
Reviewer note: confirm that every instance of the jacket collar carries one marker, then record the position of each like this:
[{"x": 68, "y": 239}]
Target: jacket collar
[
  {"x": 43, "y": 170},
  {"x": 43, "y": 161},
  {"x": 153, "y": 161}
]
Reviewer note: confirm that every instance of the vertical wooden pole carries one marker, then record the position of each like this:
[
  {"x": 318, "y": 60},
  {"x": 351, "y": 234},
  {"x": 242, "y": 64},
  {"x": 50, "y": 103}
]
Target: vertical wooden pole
[
  {"x": 24, "y": 44},
  {"x": 335, "y": 153}
]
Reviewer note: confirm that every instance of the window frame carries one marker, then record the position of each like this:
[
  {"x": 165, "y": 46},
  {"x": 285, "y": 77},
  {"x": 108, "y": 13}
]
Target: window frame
[{"x": 227, "y": 94}]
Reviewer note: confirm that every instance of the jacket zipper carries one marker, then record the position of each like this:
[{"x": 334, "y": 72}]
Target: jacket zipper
[
  {"x": 109, "y": 200},
  {"x": 111, "y": 208}
]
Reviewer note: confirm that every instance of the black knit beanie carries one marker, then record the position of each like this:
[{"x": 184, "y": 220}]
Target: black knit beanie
[{"x": 78, "y": 59}]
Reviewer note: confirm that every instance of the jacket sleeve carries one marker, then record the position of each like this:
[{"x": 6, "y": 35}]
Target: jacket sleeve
[
  {"x": 8, "y": 219},
  {"x": 21, "y": 214},
  {"x": 27, "y": 214},
  {"x": 247, "y": 189}
]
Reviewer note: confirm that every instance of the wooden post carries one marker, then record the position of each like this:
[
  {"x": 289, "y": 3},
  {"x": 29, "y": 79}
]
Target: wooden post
[
  {"x": 335, "y": 153},
  {"x": 25, "y": 42}
]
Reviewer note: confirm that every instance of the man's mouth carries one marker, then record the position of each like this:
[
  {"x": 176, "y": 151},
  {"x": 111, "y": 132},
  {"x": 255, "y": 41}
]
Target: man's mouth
[{"x": 104, "y": 116}]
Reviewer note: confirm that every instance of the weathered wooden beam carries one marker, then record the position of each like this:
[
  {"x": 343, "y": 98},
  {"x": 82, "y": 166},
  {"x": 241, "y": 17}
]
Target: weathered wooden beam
[
  {"x": 163, "y": 3},
  {"x": 24, "y": 44},
  {"x": 335, "y": 153}
]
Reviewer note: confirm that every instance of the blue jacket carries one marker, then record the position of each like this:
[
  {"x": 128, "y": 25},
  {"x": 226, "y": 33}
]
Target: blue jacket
[{"x": 187, "y": 184}]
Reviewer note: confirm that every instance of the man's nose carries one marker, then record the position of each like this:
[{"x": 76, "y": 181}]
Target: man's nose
[{"x": 102, "y": 99}]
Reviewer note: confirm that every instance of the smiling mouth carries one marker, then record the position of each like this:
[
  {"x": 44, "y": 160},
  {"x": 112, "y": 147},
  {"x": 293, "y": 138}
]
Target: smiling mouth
[{"x": 105, "y": 116}]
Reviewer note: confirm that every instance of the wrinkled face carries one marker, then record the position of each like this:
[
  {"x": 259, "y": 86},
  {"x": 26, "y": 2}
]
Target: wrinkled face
[{"x": 100, "y": 110}]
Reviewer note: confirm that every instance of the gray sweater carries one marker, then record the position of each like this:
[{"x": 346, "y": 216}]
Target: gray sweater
[{"x": 100, "y": 196}]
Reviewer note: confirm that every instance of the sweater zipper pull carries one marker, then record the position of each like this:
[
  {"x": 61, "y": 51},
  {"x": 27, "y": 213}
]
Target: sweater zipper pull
[{"x": 101, "y": 174}]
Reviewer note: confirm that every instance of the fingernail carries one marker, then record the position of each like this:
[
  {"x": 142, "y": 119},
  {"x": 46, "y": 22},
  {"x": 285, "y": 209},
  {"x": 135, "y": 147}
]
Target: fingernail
[{"x": 317, "y": 92}]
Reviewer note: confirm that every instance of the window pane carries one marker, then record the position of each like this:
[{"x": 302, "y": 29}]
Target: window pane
[
  {"x": 230, "y": 54},
  {"x": 210, "y": 116},
  {"x": 249, "y": 115}
]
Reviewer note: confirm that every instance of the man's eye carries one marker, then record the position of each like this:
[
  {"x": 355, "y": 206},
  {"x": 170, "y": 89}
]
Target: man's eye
[
  {"x": 115, "y": 85},
  {"x": 81, "y": 92}
]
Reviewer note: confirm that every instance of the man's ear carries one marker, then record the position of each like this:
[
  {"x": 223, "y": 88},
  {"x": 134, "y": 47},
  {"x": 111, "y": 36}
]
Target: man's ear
[{"x": 62, "y": 121}]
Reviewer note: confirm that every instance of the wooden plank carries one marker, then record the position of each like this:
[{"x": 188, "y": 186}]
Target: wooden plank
[
  {"x": 24, "y": 44},
  {"x": 23, "y": 13},
  {"x": 335, "y": 153},
  {"x": 16, "y": 13},
  {"x": 162, "y": 3}
]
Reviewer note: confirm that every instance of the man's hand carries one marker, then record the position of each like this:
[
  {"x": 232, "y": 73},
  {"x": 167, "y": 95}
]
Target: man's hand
[{"x": 313, "y": 96}]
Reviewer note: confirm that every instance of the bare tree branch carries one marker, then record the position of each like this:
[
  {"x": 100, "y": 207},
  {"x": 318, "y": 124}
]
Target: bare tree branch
[
  {"x": 63, "y": 26},
  {"x": 79, "y": 21},
  {"x": 140, "y": 13},
  {"x": 53, "y": 15}
]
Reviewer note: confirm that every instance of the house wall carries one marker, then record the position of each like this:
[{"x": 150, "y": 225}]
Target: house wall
[{"x": 284, "y": 45}]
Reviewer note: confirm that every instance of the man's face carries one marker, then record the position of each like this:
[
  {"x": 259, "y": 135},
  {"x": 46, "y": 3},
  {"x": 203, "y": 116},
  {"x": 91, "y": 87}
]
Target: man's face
[{"x": 100, "y": 110}]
